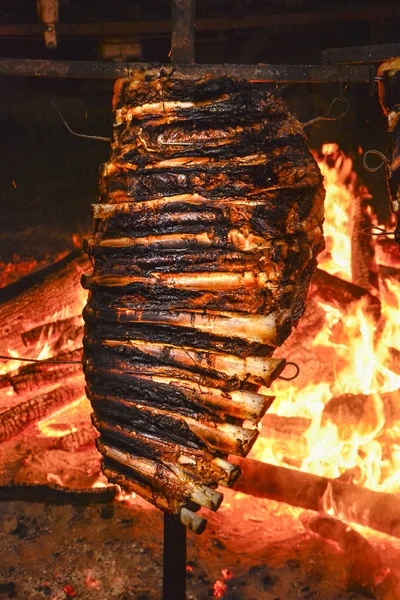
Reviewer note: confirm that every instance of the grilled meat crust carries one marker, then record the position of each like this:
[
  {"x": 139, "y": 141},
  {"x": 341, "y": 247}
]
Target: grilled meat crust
[{"x": 205, "y": 240}]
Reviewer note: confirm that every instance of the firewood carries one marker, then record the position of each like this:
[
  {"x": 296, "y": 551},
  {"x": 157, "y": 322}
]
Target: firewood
[
  {"x": 58, "y": 335},
  {"x": 377, "y": 510},
  {"x": 387, "y": 251},
  {"x": 360, "y": 411},
  {"x": 36, "y": 300},
  {"x": 366, "y": 570},
  {"x": 386, "y": 271},
  {"x": 364, "y": 272},
  {"x": 281, "y": 427},
  {"x": 16, "y": 419},
  {"x": 77, "y": 440},
  {"x": 393, "y": 360},
  {"x": 340, "y": 293},
  {"x": 32, "y": 377}
]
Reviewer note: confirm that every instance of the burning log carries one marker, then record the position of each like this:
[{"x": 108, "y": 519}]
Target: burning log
[
  {"x": 57, "y": 335},
  {"x": 377, "y": 510},
  {"x": 18, "y": 418},
  {"x": 340, "y": 293},
  {"x": 393, "y": 360},
  {"x": 362, "y": 413},
  {"x": 387, "y": 251},
  {"x": 77, "y": 440},
  {"x": 35, "y": 376},
  {"x": 363, "y": 265},
  {"x": 33, "y": 302},
  {"x": 366, "y": 570}
]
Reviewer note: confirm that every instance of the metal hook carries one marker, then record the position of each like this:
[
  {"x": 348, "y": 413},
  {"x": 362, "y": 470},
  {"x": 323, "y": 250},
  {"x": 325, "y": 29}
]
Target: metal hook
[
  {"x": 293, "y": 376},
  {"x": 380, "y": 231},
  {"x": 327, "y": 116},
  {"x": 98, "y": 138},
  {"x": 384, "y": 158}
]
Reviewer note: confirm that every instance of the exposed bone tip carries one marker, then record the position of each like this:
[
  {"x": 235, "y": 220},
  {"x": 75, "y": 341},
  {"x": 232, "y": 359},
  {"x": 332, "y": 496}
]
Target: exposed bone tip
[{"x": 194, "y": 522}]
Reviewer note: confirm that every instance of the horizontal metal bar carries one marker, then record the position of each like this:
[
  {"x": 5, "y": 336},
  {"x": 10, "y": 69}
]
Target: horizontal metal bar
[
  {"x": 267, "y": 21},
  {"x": 261, "y": 73},
  {"x": 360, "y": 54}
]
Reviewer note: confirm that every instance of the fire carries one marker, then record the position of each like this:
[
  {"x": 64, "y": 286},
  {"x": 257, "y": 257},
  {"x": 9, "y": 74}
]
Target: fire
[{"x": 357, "y": 438}]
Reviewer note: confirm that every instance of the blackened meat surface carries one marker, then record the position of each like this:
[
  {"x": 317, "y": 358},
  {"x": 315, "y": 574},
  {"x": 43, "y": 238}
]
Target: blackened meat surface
[
  {"x": 205, "y": 240},
  {"x": 389, "y": 95}
]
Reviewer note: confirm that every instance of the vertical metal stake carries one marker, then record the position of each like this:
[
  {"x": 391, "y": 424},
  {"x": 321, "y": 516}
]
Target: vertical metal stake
[
  {"x": 183, "y": 31},
  {"x": 174, "y": 559}
]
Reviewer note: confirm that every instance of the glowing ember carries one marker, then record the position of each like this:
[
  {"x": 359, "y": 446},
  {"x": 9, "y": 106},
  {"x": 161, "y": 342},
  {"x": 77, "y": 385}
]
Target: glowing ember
[
  {"x": 357, "y": 345},
  {"x": 65, "y": 420},
  {"x": 219, "y": 589}
]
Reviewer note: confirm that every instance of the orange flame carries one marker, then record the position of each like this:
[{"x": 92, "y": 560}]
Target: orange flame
[{"x": 367, "y": 446}]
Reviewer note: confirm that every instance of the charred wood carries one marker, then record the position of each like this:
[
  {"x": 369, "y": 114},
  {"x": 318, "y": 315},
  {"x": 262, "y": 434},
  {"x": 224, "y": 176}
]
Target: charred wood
[
  {"x": 34, "y": 377},
  {"x": 35, "y": 300},
  {"x": 365, "y": 568},
  {"x": 377, "y": 510},
  {"x": 16, "y": 419},
  {"x": 340, "y": 293},
  {"x": 77, "y": 440},
  {"x": 364, "y": 272},
  {"x": 58, "y": 335}
]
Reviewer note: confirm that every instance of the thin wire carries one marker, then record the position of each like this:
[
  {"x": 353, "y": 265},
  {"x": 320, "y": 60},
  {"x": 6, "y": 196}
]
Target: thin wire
[
  {"x": 381, "y": 231},
  {"x": 294, "y": 376},
  {"x": 98, "y": 138},
  {"x": 41, "y": 360},
  {"x": 384, "y": 158},
  {"x": 327, "y": 116}
]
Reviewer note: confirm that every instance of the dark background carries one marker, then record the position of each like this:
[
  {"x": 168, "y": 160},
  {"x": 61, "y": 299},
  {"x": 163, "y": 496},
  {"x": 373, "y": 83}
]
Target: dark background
[{"x": 56, "y": 174}]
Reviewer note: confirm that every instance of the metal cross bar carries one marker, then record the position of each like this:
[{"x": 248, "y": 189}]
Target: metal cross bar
[
  {"x": 261, "y": 73},
  {"x": 183, "y": 31},
  {"x": 360, "y": 54}
]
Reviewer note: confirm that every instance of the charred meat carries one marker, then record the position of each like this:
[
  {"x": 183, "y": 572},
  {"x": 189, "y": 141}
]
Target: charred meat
[{"x": 206, "y": 237}]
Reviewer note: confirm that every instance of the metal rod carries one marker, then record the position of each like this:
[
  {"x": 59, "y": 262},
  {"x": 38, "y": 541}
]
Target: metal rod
[
  {"x": 360, "y": 54},
  {"x": 174, "y": 559},
  {"x": 263, "y": 73},
  {"x": 183, "y": 31}
]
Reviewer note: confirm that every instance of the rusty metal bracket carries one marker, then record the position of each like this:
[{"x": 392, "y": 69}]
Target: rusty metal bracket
[{"x": 48, "y": 13}]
